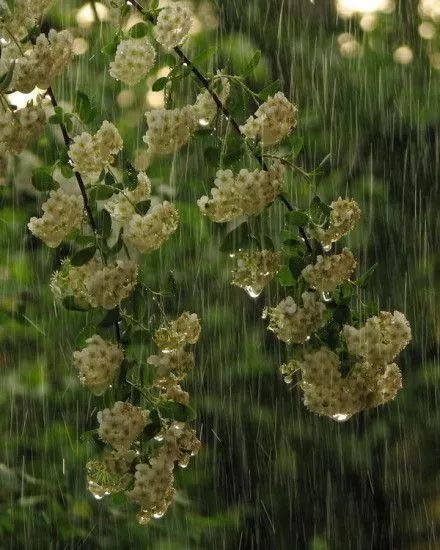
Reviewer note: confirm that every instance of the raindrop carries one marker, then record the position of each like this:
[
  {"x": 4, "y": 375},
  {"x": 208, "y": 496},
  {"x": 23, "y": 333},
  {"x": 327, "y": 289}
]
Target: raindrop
[
  {"x": 203, "y": 122},
  {"x": 341, "y": 417}
]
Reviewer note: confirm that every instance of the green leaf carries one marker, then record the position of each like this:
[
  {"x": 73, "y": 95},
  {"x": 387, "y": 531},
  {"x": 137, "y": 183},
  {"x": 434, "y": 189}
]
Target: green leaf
[
  {"x": 6, "y": 78},
  {"x": 269, "y": 90},
  {"x": 143, "y": 207},
  {"x": 212, "y": 156},
  {"x": 110, "y": 318},
  {"x": 84, "y": 240},
  {"x": 239, "y": 237},
  {"x": 159, "y": 84},
  {"x": 42, "y": 179},
  {"x": 110, "y": 48},
  {"x": 252, "y": 63},
  {"x": 83, "y": 256},
  {"x": 318, "y": 209},
  {"x": 84, "y": 107},
  {"x": 342, "y": 314},
  {"x": 139, "y": 30},
  {"x": 296, "y": 265},
  {"x": 285, "y": 277},
  {"x": 154, "y": 427},
  {"x": 296, "y": 144},
  {"x": 364, "y": 279},
  {"x": 101, "y": 192},
  {"x": 70, "y": 303},
  {"x": 232, "y": 157},
  {"x": 176, "y": 411},
  {"x": 105, "y": 224},
  {"x": 298, "y": 218}
]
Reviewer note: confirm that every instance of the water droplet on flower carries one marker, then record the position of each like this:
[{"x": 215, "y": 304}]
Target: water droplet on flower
[
  {"x": 326, "y": 297},
  {"x": 158, "y": 515},
  {"x": 203, "y": 122},
  {"x": 185, "y": 64},
  {"x": 327, "y": 247},
  {"x": 341, "y": 417},
  {"x": 253, "y": 292}
]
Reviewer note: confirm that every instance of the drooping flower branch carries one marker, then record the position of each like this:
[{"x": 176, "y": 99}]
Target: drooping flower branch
[
  {"x": 341, "y": 357},
  {"x": 146, "y": 431},
  {"x": 343, "y": 381}
]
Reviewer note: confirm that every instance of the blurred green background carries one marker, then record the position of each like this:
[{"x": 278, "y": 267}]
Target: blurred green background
[{"x": 270, "y": 474}]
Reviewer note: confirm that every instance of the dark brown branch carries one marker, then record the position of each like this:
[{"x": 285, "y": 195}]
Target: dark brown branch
[{"x": 82, "y": 187}]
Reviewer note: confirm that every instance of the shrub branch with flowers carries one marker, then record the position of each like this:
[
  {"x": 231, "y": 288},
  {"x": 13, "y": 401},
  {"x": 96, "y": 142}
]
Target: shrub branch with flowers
[{"x": 342, "y": 356}]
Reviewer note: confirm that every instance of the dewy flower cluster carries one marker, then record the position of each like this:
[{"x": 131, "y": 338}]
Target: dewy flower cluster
[
  {"x": 21, "y": 127},
  {"x": 145, "y": 232},
  {"x": 98, "y": 363},
  {"x": 381, "y": 339},
  {"x": 154, "y": 482},
  {"x": 94, "y": 284},
  {"x": 23, "y": 15},
  {"x": 122, "y": 206},
  {"x": 149, "y": 483},
  {"x": 91, "y": 154},
  {"x": 47, "y": 59},
  {"x": 344, "y": 215},
  {"x": 330, "y": 271},
  {"x": 254, "y": 269},
  {"x": 169, "y": 129},
  {"x": 184, "y": 330},
  {"x": 173, "y": 25},
  {"x": 62, "y": 214},
  {"x": 372, "y": 380},
  {"x": 273, "y": 120},
  {"x": 205, "y": 108},
  {"x": 293, "y": 324},
  {"x": 133, "y": 60},
  {"x": 149, "y": 232},
  {"x": 121, "y": 425},
  {"x": 243, "y": 194}
]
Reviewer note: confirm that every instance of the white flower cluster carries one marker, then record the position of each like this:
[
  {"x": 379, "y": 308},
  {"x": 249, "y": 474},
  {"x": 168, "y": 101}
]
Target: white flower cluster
[
  {"x": 91, "y": 154},
  {"x": 154, "y": 483},
  {"x": 47, "y": 59},
  {"x": 121, "y": 425},
  {"x": 330, "y": 271},
  {"x": 243, "y": 194},
  {"x": 184, "y": 330},
  {"x": 344, "y": 215},
  {"x": 95, "y": 284},
  {"x": 169, "y": 129},
  {"x": 254, "y": 269},
  {"x": 62, "y": 213},
  {"x": 122, "y": 206},
  {"x": 328, "y": 393},
  {"x": 293, "y": 324},
  {"x": 149, "y": 232},
  {"x": 133, "y": 60},
  {"x": 72, "y": 281},
  {"x": 98, "y": 363},
  {"x": 171, "y": 367},
  {"x": 24, "y": 15},
  {"x": 102, "y": 480},
  {"x": 205, "y": 108},
  {"x": 273, "y": 120},
  {"x": 380, "y": 339},
  {"x": 21, "y": 127},
  {"x": 173, "y": 25},
  {"x": 111, "y": 284}
]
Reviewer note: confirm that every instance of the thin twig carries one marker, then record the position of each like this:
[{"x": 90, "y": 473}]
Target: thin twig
[{"x": 82, "y": 187}]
